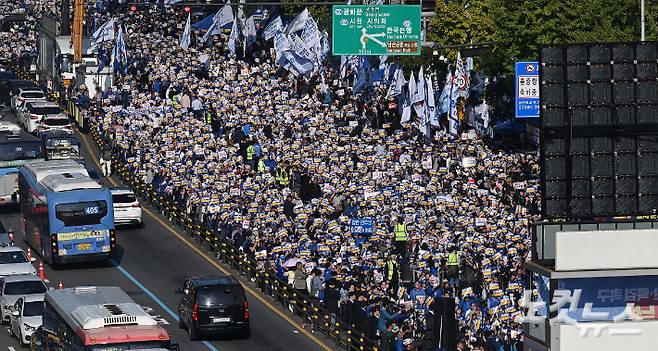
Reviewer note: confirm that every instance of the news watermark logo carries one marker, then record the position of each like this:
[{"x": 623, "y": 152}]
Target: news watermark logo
[{"x": 565, "y": 305}]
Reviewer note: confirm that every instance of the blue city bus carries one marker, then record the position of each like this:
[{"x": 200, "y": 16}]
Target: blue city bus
[
  {"x": 67, "y": 216},
  {"x": 16, "y": 149}
]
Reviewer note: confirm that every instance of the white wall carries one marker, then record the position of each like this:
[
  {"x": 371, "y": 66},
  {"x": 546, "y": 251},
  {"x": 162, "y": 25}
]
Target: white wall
[
  {"x": 606, "y": 249},
  {"x": 613, "y": 337}
]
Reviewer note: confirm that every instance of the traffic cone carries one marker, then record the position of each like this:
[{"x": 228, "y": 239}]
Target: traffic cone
[
  {"x": 60, "y": 286},
  {"x": 29, "y": 254},
  {"x": 42, "y": 272}
]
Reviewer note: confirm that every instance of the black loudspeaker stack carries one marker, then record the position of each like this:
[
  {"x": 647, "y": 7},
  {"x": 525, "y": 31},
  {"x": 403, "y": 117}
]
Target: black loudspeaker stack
[
  {"x": 445, "y": 327},
  {"x": 599, "y": 117}
]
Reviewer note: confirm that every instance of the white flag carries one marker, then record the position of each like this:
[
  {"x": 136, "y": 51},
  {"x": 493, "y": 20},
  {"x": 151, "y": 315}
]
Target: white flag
[
  {"x": 430, "y": 102},
  {"x": 272, "y": 28},
  {"x": 233, "y": 37},
  {"x": 413, "y": 89},
  {"x": 104, "y": 33},
  {"x": 225, "y": 15},
  {"x": 221, "y": 18},
  {"x": 249, "y": 31},
  {"x": 120, "y": 45},
  {"x": 397, "y": 85},
  {"x": 185, "y": 40},
  {"x": 419, "y": 95},
  {"x": 311, "y": 34},
  {"x": 298, "y": 23}
]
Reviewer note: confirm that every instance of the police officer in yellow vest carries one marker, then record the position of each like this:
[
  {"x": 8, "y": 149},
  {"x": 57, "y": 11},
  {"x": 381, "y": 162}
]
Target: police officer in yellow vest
[
  {"x": 400, "y": 241},
  {"x": 281, "y": 176},
  {"x": 392, "y": 272},
  {"x": 261, "y": 165},
  {"x": 251, "y": 156},
  {"x": 452, "y": 265}
]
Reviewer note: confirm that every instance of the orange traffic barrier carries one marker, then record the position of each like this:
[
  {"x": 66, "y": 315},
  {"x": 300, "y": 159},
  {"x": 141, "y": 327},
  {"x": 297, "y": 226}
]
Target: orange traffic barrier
[{"x": 42, "y": 272}]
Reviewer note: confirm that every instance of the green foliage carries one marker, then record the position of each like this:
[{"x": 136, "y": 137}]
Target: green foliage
[{"x": 521, "y": 27}]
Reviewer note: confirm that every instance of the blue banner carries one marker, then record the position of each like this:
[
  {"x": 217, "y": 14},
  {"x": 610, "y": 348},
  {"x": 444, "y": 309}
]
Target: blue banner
[
  {"x": 611, "y": 294},
  {"x": 527, "y": 89},
  {"x": 362, "y": 226}
]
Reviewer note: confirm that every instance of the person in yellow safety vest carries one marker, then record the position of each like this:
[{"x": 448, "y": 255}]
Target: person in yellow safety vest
[
  {"x": 251, "y": 156},
  {"x": 281, "y": 176},
  {"x": 175, "y": 101},
  {"x": 452, "y": 265},
  {"x": 392, "y": 272},
  {"x": 400, "y": 243},
  {"x": 208, "y": 118},
  {"x": 261, "y": 165}
]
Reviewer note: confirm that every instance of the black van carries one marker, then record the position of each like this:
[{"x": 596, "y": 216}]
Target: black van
[{"x": 213, "y": 305}]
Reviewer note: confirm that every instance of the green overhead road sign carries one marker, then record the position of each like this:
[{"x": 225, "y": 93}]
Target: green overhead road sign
[{"x": 376, "y": 30}]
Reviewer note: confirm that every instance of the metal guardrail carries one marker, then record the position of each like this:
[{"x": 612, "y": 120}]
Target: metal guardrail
[
  {"x": 266, "y": 280},
  {"x": 76, "y": 114}
]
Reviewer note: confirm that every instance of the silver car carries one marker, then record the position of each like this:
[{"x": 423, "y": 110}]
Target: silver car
[
  {"x": 26, "y": 317},
  {"x": 13, "y": 260},
  {"x": 16, "y": 286}
]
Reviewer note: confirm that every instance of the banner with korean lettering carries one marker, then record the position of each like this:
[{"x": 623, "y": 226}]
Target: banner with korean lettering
[
  {"x": 362, "y": 226},
  {"x": 610, "y": 295},
  {"x": 527, "y": 90}
]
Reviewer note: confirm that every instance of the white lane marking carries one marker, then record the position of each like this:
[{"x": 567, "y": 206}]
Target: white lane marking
[{"x": 10, "y": 348}]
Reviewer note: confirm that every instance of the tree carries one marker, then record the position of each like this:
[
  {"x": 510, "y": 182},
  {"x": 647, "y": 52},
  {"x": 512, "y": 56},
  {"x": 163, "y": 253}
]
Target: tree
[
  {"x": 522, "y": 27},
  {"x": 461, "y": 22}
]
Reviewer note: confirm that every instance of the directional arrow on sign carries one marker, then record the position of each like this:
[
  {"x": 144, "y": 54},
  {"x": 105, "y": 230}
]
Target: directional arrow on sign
[{"x": 373, "y": 36}]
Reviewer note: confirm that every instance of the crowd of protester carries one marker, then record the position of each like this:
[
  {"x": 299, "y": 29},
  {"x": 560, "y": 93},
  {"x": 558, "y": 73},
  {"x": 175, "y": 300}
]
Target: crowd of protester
[
  {"x": 19, "y": 25},
  {"x": 280, "y": 166}
]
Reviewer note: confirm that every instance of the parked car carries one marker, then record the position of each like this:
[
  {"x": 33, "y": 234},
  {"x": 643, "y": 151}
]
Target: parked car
[
  {"x": 31, "y": 114},
  {"x": 9, "y": 128},
  {"x": 16, "y": 286},
  {"x": 6, "y": 236},
  {"x": 61, "y": 145},
  {"x": 26, "y": 317},
  {"x": 213, "y": 305},
  {"x": 24, "y": 95},
  {"x": 127, "y": 209},
  {"x": 54, "y": 122},
  {"x": 13, "y": 260},
  {"x": 9, "y": 86}
]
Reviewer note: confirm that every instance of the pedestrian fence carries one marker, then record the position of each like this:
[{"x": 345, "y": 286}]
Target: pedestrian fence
[{"x": 313, "y": 316}]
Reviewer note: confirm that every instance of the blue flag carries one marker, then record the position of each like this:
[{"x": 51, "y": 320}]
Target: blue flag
[{"x": 364, "y": 76}]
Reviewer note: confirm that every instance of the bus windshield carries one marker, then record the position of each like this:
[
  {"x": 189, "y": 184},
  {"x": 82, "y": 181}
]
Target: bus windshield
[
  {"x": 81, "y": 213},
  {"x": 21, "y": 150},
  {"x": 130, "y": 346}
]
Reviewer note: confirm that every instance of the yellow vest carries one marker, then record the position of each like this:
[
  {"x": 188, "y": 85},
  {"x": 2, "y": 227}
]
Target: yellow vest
[
  {"x": 400, "y": 232},
  {"x": 389, "y": 270},
  {"x": 452, "y": 259},
  {"x": 250, "y": 152},
  {"x": 261, "y": 166}
]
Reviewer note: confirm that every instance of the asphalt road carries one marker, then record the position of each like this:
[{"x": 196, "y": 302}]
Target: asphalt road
[{"x": 152, "y": 263}]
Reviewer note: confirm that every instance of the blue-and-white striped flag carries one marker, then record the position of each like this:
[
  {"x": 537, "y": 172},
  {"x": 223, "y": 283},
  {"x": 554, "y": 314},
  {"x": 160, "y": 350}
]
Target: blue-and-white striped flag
[{"x": 185, "y": 40}]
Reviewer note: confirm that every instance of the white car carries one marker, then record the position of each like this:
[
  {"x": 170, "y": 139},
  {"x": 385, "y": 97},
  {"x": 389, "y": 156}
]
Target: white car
[
  {"x": 26, "y": 317},
  {"x": 25, "y": 95},
  {"x": 127, "y": 209},
  {"x": 13, "y": 260},
  {"x": 16, "y": 286},
  {"x": 54, "y": 122},
  {"x": 10, "y": 128},
  {"x": 31, "y": 113}
]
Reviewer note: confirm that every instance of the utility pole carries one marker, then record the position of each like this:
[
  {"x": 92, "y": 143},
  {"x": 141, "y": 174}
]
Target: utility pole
[
  {"x": 642, "y": 20},
  {"x": 78, "y": 17}
]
